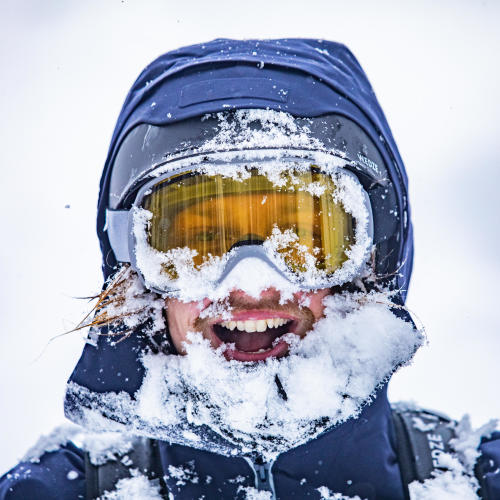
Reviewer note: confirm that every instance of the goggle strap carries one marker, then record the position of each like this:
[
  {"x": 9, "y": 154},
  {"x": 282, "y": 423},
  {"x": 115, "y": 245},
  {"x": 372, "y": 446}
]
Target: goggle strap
[{"x": 117, "y": 226}]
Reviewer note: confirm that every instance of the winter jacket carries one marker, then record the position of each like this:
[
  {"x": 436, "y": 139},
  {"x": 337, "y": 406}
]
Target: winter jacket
[{"x": 356, "y": 458}]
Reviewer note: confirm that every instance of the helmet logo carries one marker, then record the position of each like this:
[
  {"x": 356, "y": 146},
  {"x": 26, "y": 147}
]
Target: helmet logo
[{"x": 369, "y": 163}]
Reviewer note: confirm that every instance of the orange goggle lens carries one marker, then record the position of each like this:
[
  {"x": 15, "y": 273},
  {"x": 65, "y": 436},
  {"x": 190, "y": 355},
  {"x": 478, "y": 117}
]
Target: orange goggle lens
[{"x": 212, "y": 214}]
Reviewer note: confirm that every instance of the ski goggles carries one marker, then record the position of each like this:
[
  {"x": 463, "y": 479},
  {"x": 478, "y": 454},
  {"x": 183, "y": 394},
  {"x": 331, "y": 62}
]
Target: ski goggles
[{"x": 190, "y": 224}]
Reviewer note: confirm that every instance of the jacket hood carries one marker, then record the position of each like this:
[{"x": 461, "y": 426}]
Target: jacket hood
[{"x": 304, "y": 78}]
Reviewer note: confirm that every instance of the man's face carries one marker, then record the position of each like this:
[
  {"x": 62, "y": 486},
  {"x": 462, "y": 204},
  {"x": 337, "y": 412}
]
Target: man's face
[{"x": 254, "y": 328}]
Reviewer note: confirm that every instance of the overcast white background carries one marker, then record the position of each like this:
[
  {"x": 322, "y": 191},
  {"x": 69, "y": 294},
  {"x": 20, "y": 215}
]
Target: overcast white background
[{"x": 66, "y": 67}]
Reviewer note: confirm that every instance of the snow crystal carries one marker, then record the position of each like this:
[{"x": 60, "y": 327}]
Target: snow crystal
[
  {"x": 446, "y": 486},
  {"x": 72, "y": 475},
  {"x": 191, "y": 436},
  {"x": 101, "y": 446},
  {"x": 138, "y": 487},
  {"x": 183, "y": 474},
  {"x": 238, "y": 479},
  {"x": 105, "y": 446},
  {"x": 276, "y": 130},
  {"x": 419, "y": 424},
  {"x": 315, "y": 188},
  {"x": 322, "y": 51},
  {"x": 467, "y": 442}
]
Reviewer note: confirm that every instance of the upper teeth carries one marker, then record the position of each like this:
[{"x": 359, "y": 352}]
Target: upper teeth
[{"x": 251, "y": 325}]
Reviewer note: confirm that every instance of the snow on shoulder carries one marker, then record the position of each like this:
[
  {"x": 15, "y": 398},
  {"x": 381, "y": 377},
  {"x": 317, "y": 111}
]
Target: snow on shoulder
[
  {"x": 456, "y": 480},
  {"x": 101, "y": 446},
  {"x": 57, "y": 438}
]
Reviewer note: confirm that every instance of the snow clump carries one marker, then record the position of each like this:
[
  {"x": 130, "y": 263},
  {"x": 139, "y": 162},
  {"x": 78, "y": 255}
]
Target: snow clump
[
  {"x": 137, "y": 487},
  {"x": 254, "y": 494},
  {"x": 58, "y": 437},
  {"x": 326, "y": 494},
  {"x": 328, "y": 377}
]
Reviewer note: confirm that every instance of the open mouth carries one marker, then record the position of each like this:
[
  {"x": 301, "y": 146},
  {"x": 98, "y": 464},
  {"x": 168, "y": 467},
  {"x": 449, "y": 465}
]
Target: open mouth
[{"x": 254, "y": 339}]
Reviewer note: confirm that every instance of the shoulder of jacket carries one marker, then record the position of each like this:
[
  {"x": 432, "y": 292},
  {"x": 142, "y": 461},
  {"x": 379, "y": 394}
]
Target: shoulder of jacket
[
  {"x": 488, "y": 466},
  {"x": 58, "y": 474},
  {"x": 55, "y": 466}
]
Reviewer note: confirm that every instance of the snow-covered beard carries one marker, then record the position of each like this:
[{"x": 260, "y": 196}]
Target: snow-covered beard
[{"x": 271, "y": 406}]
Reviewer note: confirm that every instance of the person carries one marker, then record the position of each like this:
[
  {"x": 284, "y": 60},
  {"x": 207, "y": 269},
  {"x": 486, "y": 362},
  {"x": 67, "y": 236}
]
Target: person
[{"x": 257, "y": 247}]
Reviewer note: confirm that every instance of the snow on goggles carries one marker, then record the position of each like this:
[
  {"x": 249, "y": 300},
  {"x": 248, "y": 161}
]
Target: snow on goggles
[{"x": 190, "y": 226}]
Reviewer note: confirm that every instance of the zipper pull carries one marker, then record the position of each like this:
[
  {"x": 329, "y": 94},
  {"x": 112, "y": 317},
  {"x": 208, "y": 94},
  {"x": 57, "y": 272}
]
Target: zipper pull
[{"x": 262, "y": 476}]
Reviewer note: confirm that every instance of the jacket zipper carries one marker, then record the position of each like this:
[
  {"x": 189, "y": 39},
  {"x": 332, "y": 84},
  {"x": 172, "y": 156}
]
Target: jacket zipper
[{"x": 264, "y": 480}]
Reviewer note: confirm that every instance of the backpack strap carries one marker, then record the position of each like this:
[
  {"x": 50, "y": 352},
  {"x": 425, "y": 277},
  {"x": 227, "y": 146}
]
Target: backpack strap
[
  {"x": 143, "y": 456},
  {"x": 421, "y": 436}
]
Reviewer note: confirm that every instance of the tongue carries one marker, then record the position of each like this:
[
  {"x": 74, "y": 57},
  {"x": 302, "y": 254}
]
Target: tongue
[{"x": 250, "y": 342}]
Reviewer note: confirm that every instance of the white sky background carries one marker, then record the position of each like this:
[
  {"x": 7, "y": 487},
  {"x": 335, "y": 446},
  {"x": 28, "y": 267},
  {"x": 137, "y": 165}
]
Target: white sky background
[{"x": 66, "y": 67}]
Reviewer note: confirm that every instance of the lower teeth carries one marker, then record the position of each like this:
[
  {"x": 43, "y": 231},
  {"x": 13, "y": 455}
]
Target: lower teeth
[{"x": 260, "y": 351}]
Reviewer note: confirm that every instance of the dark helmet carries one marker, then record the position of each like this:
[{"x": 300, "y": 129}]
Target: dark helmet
[{"x": 175, "y": 104}]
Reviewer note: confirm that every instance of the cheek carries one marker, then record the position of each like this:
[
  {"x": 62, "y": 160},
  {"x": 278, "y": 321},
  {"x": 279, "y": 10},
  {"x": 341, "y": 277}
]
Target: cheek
[
  {"x": 180, "y": 317},
  {"x": 316, "y": 301}
]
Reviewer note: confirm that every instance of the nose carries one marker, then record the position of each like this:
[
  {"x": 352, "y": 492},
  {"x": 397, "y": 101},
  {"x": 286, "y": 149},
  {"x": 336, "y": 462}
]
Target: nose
[
  {"x": 267, "y": 294},
  {"x": 248, "y": 239}
]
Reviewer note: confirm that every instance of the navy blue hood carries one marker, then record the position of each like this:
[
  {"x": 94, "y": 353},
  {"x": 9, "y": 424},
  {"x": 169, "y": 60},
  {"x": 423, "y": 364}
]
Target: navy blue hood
[{"x": 308, "y": 79}]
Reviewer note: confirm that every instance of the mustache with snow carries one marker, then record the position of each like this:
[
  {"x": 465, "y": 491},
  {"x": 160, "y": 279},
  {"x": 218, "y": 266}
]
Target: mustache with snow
[{"x": 268, "y": 333}]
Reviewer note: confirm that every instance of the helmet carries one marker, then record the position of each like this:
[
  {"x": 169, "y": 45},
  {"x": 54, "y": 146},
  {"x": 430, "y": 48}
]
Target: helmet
[{"x": 221, "y": 96}]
